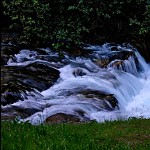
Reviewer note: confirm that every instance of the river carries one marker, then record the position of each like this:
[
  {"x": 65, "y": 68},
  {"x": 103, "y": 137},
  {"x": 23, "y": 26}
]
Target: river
[{"x": 109, "y": 83}]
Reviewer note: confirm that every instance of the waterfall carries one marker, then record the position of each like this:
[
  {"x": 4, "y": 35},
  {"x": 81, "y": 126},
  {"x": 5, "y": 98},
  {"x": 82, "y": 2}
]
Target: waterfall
[{"x": 85, "y": 89}]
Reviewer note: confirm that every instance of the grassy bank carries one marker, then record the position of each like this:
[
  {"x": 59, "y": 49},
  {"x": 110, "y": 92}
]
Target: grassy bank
[{"x": 130, "y": 134}]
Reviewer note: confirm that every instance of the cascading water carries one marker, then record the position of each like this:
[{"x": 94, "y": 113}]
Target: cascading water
[{"x": 89, "y": 90}]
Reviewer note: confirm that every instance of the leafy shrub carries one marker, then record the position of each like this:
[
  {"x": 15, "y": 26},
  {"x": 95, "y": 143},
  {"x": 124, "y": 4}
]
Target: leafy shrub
[
  {"x": 30, "y": 18},
  {"x": 57, "y": 21}
]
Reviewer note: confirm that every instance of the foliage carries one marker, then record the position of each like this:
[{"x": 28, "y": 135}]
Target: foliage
[
  {"x": 142, "y": 24},
  {"x": 30, "y": 18},
  {"x": 126, "y": 135},
  {"x": 63, "y": 21}
]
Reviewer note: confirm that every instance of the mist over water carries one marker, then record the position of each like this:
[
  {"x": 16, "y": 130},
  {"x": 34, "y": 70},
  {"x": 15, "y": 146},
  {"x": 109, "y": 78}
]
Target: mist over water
[{"x": 128, "y": 82}]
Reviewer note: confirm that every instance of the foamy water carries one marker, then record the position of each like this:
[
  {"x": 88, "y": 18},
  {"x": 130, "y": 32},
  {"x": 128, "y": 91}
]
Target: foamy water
[
  {"x": 128, "y": 85},
  {"x": 140, "y": 105}
]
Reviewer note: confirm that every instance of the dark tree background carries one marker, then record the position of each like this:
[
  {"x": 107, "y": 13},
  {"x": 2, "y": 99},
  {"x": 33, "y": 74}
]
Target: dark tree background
[{"x": 58, "y": 23}]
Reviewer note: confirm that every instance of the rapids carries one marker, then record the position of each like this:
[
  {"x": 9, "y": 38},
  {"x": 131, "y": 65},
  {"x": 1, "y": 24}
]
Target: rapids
[{"x": 87, "y": 88}]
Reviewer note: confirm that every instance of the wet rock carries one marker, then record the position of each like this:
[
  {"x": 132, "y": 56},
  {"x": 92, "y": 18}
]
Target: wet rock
[
  {"x": 79, "y": 72},
  {"x": 109, "y": 102},
  {"x": 12, "y": 115},
  {"x": 8, "y": 51},
  {"x": 122, "y": 55},
  {"x": 117, "y": 64},
  {"x": 21, "y": 110},
  {"x": 9, "y": 96},
  {"x": 9, "y": 113},
  {"x": 3, "y": 101},
  {"x": 16, "y": 80},
  {"x": 103, "y": 62},
  {"x": 119, "y": 55},
  {"x": 114, "y": 48},
  {"x": 47, "y": 75},
  {"x": 62, "y": 118},
  {"x": 4, "y": 59},
  {"x": 12, "y": 88}
]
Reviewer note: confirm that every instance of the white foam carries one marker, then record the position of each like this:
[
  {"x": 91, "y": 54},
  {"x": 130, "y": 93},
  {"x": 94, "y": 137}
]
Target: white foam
[{"x": 131, "y": 91}]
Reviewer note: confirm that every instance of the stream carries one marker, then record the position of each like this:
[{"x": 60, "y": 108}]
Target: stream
[{"x": 107, "y": 82}]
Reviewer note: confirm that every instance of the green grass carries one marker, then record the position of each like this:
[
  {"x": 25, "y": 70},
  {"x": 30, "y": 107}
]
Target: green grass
[{"x": 118, "y": 135}]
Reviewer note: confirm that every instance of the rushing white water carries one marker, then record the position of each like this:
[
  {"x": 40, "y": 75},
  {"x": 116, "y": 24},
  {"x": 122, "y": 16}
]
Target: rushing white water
[{"x": 129, "y": 86}]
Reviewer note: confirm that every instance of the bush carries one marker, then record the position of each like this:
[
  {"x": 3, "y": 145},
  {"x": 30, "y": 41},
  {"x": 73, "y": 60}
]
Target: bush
[{"x": 42, "y": 21}]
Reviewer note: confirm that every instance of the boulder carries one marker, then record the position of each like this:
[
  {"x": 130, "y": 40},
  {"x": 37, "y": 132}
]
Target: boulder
[
  {"x": 78, "y": 72},
  {"x": 8, "y": 51},
  {"x": 62, "y": 118},
  {"x": 108, "y": 101},
  {"x": 17, "y": 80},
  {"x": 118, "y": 55}
]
